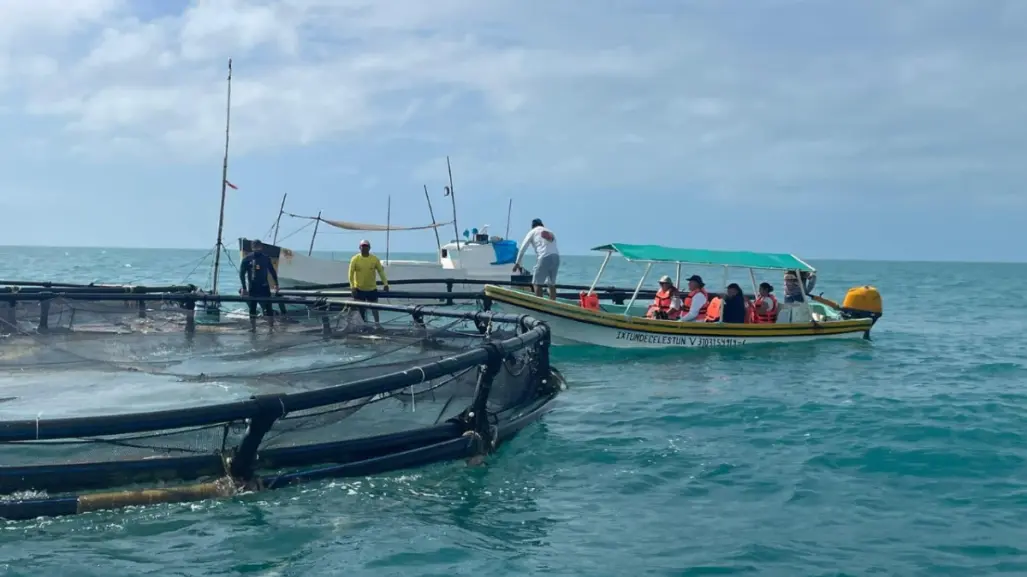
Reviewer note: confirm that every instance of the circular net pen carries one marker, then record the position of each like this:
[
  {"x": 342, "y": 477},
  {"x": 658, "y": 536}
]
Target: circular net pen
[{"x": 317, "y": 393}]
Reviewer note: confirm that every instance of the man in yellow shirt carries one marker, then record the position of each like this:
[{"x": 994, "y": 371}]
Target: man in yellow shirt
[{"x": 363, "y": 285}]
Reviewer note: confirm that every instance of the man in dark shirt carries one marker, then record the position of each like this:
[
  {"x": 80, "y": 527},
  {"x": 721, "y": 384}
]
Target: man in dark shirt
[{"x": 253, "y": 277}]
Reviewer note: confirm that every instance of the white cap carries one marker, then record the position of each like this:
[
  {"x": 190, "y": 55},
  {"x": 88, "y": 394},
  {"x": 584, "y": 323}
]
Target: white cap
[
  {"x": 365, "y": 242},
  {"x": 666, "y": 278}
]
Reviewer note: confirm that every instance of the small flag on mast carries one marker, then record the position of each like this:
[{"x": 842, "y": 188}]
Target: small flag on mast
[{"x": 234, "y": 187}]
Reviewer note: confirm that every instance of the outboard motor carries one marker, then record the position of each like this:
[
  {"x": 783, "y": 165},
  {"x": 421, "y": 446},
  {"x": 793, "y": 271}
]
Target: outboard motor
[{"x": 862, "y": 303}]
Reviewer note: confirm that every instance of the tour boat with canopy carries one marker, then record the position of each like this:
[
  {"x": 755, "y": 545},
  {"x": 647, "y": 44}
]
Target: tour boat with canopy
[{"x": 627, "y": 326}]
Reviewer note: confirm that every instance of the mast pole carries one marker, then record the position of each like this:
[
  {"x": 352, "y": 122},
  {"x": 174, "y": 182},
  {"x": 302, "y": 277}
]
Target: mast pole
[
  {"x": 509, "y": 209},
  {"x": 452, "y": 197},
  {"x": 281, "y": 209},
  {"x": 438, "y": 242},
  {"x": 317, "y": 221},
  {"x": 224, "y": 182},
  {"x": 388, "y": 227}
]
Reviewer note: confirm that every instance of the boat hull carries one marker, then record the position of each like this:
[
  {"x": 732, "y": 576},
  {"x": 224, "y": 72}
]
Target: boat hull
[{"x": 573, "y": 325}]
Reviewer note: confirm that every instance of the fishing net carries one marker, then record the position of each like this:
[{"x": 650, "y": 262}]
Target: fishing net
[{"x": 321, "y": 393}]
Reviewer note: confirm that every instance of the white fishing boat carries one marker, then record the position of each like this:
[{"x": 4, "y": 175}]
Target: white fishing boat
[
  {"x": 480, "y": 257},
  {"x": 588, "y": 322}
]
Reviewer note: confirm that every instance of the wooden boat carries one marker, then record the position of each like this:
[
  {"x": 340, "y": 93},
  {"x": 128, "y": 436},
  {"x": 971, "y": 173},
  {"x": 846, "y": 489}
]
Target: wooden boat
[{"x": 626, "y": 326}]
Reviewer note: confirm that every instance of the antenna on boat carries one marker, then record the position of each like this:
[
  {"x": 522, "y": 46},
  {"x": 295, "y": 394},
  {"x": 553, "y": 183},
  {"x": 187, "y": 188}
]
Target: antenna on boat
[
  {"x": 509, "y": 209},
  {"x": 452, "y": 197},
  {"x": 281, "y": 209},
  {"x": 224, "y": 183},
  {"x": 317, "y": 221},
  {"x": 388, "y": 226},
  {"x": 434, "y": 225}
]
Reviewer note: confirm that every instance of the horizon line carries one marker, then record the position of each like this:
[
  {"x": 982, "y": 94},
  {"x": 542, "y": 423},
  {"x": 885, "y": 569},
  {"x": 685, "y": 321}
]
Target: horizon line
[{"x": 588, "y": 254}]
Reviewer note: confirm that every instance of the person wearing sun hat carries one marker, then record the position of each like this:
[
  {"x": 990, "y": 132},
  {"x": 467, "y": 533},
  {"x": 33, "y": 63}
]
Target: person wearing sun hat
[
  {"x": 667, "y": 302},
  {"x": 364, "y": 270}
]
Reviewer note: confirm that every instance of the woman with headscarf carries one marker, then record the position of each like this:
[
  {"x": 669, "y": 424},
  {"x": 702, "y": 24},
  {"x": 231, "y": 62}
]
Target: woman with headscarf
[{"x": 733, "y": 306}]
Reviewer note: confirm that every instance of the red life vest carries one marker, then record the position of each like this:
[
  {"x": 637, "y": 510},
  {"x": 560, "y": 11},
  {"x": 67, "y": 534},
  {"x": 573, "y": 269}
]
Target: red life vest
[
  {"x": 661, "y": 303},
  {"x": 767, "y": 317},
  {"x": 588, "y": 300},
  {"x": 702, "y": 311}
]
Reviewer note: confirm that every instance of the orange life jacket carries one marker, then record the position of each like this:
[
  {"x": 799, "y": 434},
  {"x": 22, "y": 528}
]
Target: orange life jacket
[
  {"x": 588, "y": 300},
  {"x": 767, "y": 317},
  {"x": 661, "y": 303},
  {"x": 702, "y": 311},
  {"x": 713, "y": 309}
]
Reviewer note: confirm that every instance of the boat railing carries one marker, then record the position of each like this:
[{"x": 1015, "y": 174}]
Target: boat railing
[{"x": 617, "y": 295}]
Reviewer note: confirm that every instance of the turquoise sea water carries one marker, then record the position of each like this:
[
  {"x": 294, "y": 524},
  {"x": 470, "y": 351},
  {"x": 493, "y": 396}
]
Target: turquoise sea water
[{"x": 904, "y": 456}]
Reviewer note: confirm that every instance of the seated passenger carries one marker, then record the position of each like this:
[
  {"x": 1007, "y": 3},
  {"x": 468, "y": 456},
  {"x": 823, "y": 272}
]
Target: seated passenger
[
  {"x": 765, "y": 309},
  {"x": 713, "y": 310},
  {"x": 697, "y": 301},
  {"x": 733, "y": 305},
  {"x": 795, "y": 292},
  {"x": 667, "y": 303}
]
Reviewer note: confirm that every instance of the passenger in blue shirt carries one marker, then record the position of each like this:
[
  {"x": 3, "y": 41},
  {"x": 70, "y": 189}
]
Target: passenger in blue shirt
[{"x": 253, "y": 277}]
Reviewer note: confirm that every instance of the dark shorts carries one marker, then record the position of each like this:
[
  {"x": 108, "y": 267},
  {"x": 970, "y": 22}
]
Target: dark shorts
[
  {"x": 265, "y": 306},
  {"x": 365, "y": 296}
]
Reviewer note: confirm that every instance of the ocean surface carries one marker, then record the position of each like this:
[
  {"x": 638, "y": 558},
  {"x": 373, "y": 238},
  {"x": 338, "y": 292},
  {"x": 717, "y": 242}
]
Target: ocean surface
[{"x": 902, "y": 456}]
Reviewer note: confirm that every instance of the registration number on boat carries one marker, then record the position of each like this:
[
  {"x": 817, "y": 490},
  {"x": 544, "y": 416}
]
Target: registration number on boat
[{"x": 680, "y": 341}]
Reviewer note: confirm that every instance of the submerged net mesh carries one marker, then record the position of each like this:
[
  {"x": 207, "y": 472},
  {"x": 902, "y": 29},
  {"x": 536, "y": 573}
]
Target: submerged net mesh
[{"x": 322, "y": 393}]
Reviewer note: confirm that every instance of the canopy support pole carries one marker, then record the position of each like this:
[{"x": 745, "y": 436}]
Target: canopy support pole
[
  {"x": 638, "y": 287},
  {"x": 727, "y": 277},
  {"x": 602, "y": 268}
]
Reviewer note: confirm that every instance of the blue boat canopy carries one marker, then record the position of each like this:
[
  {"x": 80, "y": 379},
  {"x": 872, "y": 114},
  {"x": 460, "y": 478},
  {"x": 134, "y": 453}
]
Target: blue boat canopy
[{"x": 735, "y": 258}]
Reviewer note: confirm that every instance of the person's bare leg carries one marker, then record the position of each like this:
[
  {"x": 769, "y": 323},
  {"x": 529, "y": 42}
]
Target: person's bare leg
[
  {"x": 552, "y": 292},
  {"x": 538, "y": 290}
]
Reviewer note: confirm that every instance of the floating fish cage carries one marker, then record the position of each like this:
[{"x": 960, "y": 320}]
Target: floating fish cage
[{"x": 331, "y": 395}]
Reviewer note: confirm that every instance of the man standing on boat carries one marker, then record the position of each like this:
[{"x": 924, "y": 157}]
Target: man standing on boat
[
  {"x": 364, "y": 268},
  {"x": 253, "y": 278},
  {"x": 547, "y": 261}
]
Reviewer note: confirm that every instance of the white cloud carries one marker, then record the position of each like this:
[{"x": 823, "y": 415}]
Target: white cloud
[{"x": 793, "y": 97}]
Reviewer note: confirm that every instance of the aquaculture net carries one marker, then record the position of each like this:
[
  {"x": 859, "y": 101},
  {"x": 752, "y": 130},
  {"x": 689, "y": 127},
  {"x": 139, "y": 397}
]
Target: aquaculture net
[
  {"x": 66, "y": 332},
  {"x": 261, "y": 407}
]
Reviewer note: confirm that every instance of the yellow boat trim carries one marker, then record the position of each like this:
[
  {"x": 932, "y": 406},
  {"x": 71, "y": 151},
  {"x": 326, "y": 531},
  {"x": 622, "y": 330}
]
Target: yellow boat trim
[{"x": 619, "y": 321}]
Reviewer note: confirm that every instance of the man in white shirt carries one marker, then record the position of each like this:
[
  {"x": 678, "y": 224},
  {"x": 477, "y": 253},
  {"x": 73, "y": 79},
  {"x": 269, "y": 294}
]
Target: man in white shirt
[
  {"x": 547, "y": 262},
  {"x": 696, "y": 302}
]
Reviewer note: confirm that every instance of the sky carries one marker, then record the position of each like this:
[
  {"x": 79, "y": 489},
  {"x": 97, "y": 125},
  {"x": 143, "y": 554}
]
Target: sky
[{"x": 869, "y": 130}]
